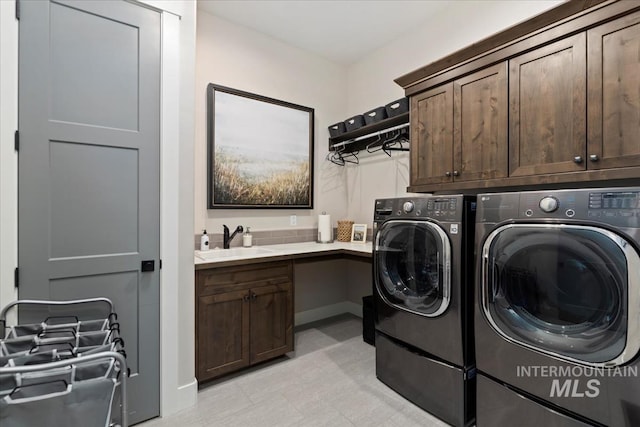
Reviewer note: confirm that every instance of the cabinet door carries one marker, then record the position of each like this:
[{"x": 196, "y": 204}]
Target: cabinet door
[
  {"x": 223, "y": 333},
  {"x": 480, "y": 125},
  {"x": 547, "y": 97},
  {"x": 271, "y": 321},
  {"x": 614, "y": 94},
  {"x": 432, "y": 136}
]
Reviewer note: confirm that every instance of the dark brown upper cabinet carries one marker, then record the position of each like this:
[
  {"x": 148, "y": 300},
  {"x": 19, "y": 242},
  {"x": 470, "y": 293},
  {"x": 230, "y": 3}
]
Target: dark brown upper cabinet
[
  {"x": 432, "y": 136},
  {"x": 459, "y": 129},
  {"x": 480, "y": 125},
  {"x": 553, "y": 101},
  {"x": 547, "y": 99},
  {"x": 613, "y": 82}
]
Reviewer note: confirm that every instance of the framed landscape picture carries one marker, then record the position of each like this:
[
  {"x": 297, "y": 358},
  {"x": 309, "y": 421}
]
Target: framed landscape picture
[{"x": 260, "y": 151}]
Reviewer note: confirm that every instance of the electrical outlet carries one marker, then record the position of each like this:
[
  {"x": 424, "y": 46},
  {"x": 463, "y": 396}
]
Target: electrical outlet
[{"x": 293, "y": 220}]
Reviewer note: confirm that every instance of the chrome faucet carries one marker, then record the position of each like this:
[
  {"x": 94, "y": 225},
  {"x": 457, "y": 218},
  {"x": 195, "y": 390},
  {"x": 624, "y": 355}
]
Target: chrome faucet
[{"x": 226, "y": 238}]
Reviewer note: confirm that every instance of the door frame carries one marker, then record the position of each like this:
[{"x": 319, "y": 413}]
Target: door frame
[{"x": 178, "y": 385}]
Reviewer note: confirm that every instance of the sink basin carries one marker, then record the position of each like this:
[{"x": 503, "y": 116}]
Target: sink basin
[{"x": 230, "y": 253}]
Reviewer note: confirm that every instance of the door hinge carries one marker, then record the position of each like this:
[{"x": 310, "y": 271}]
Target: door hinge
[
  {"x": 16, "y": 278},
  {"x": 18, "y": 10},
  {"x": 16, "y": 140}
]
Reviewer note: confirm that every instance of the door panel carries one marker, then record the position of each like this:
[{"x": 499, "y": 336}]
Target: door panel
[
  {"x": 432, "y": 136},
  {"x": 87, "y": 92},
  {"x": 271, "y": 327},
  {"x": 614, "y": 93},
  {"x": 89, "y": 122},
  {"x": 547, "y": 97},
  {"x": 223, "y": 341},
  {"x": 480, "y": 125},
  {"x": 83, "y": 221}
]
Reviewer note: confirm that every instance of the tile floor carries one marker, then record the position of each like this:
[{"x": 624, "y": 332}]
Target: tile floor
[{"x": 328, "y": 381}]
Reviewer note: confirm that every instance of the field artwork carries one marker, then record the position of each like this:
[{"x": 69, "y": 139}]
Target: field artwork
[{"x": 260, "y": 151}]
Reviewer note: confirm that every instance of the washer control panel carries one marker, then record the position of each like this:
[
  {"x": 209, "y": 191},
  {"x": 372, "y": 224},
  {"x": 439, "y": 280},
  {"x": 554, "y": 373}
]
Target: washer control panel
[{"x": 444, "y": 208}]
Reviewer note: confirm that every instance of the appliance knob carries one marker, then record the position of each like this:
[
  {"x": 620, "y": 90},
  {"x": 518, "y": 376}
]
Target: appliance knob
[
  {"x": 549, "y": 204},
  {"x": 408, "y": 207}
]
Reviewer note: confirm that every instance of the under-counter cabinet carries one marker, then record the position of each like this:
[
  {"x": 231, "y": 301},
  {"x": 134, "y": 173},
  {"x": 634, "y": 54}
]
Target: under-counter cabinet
[
  {"x": 244, "y": 315},
  {"x": 459, "y": 129}
]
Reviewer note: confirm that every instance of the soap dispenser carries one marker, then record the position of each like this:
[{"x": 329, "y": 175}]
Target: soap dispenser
[
  {"x": 247, "y": 239},
  {"x": 204, "y": 241}
]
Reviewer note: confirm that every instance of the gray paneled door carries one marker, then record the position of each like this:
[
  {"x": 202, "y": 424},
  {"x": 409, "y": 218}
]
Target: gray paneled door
[{"x": 89, "y": 183}]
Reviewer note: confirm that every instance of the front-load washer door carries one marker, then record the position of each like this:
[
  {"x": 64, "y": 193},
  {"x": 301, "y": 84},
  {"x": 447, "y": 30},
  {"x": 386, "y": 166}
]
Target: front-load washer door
[
  {"x": 569, "y": 291},
  {"x": 412, "y": 266}
]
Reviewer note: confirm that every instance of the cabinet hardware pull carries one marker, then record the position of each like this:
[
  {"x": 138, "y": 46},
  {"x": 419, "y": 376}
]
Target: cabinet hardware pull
[
  {"x": 254, "y": 296},
  {"x": 246, "y": 297},
  {"x": 577, "y": 159},
  {"x": 594, "y": 158},
  {"x": 456, "y": 173},
  {"x": 447, "y": 173}
]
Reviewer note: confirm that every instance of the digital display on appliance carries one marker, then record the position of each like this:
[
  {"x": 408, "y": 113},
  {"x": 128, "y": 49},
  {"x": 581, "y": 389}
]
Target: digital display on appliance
[
  {"x": 628, "y": 200},
  {"x": 442, "y": 205}
]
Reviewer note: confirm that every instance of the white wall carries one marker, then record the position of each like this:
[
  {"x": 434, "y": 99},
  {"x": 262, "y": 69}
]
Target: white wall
[
  {"x": 370, "y": 83},
  {"x": 240, "y": 58}
]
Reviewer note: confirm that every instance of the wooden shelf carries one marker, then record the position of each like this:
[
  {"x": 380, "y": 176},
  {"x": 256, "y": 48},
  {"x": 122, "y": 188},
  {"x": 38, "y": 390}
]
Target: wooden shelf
[{"x": 367, "y": 129}]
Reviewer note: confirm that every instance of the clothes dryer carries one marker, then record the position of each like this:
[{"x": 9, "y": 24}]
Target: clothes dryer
[
  {"x": 557, "y": 312},
  {"x": 424, "y": 301}
]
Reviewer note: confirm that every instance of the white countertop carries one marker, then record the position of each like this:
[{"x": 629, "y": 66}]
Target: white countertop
[{"x": 237, "y": 254}]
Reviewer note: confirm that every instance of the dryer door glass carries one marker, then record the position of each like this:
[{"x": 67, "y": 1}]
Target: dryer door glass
[
  {"x": 561, "y": 289},
  {"x": 412, "y": 266}
]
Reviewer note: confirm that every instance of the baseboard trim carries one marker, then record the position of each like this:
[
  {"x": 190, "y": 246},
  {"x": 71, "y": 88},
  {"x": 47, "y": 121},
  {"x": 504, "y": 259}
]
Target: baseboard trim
[
  {"x": 185, "y": 397},
  {"x": 324, "y": 312}
]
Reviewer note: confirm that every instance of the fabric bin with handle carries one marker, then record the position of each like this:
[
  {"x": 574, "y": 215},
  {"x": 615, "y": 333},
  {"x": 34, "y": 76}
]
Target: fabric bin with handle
[
  {"x": 375, "y": 115},
  {"x": 397, "y": 107},
  {"x": 355, "y": 122}
]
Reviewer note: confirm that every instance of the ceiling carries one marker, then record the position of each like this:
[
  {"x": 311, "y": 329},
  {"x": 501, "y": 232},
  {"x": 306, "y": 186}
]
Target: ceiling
[{"x": 341, "y": 31}]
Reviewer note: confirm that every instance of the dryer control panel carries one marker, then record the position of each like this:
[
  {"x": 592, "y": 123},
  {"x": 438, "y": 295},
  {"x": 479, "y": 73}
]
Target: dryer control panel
[{"x": 614, "y": 206}]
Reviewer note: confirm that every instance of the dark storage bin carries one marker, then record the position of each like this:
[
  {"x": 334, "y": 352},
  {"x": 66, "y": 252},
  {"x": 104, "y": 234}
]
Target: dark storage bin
[
  {"x": 337, "y": 129},
  {"x": 368, "y": 320},
  {"x": 355, "y": 122},
  {"x": 375, "y": 115},
  {"x": 398, "y": 107}
]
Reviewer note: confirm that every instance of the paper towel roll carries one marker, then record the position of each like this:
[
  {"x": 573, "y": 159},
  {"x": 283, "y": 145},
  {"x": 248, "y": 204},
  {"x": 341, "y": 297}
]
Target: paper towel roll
[{"x": 324, "y": 228}]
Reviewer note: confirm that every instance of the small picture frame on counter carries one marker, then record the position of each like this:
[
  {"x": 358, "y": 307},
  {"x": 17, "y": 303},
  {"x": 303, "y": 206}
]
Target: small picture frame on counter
[{"x": 359, "y": 233}]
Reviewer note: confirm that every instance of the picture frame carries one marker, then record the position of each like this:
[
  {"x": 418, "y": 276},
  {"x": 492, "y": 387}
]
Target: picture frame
[
  {"x": 259, "y": 151},
  {"x": 359, "y": 233}
]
